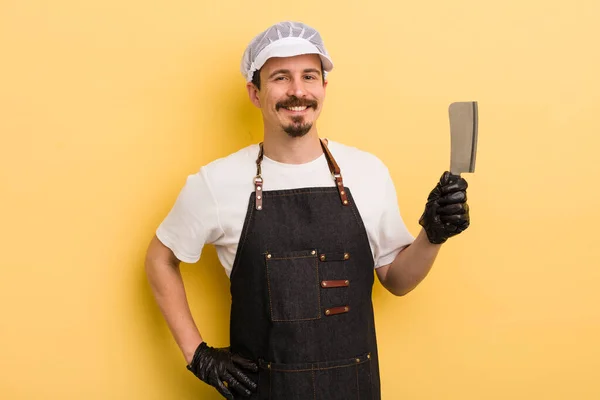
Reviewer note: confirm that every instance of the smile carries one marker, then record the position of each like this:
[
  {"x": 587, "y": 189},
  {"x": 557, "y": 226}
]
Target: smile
[{"x": 296, "y": 109}]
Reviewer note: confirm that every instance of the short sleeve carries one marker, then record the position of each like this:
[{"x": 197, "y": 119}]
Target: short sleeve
[
  {"x": 393, "y": 236},
  {"x": 193, "y": 221}
]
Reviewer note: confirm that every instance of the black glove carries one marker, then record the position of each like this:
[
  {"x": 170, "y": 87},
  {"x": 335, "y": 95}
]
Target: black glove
[
  {"x": 446, "y": 212},
  {"x": 219, "y": 367}
]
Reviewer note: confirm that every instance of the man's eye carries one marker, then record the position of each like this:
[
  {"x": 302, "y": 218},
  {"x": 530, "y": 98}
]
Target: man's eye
[
  {"x": 280, "y": 78},
  {"x": 310, "y": 77}
]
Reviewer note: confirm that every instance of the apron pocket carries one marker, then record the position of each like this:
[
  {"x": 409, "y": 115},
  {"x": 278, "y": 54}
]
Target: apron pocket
[
  {"x": 293, "y": 283},
  {"x": 334, "y": 380}
]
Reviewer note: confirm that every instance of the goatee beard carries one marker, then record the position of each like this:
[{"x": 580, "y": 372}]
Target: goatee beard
[{"x": 297, "y": 129}]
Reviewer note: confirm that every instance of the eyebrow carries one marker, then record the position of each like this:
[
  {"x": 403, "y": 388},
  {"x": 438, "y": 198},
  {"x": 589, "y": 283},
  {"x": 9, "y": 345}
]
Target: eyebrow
[{"x": 287, "y": 71}]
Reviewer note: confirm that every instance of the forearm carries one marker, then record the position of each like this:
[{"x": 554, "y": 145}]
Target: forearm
[
  {"x": 411, "y": 266},
  {"x": 168, "y": 289}
]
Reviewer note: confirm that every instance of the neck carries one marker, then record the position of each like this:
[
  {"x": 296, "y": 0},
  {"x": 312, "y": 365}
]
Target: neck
[{"x": 280, "y": 147}]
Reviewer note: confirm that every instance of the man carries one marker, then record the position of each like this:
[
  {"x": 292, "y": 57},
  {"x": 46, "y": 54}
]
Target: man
[{"x": 299, "y": 236}]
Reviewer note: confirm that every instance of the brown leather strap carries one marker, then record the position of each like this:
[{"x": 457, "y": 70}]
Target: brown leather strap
[
  {"x": 258, "y": 180},
  {"x": 335, "y": 284},
  {"x": 335, "y": 171},
  {"x": 333, "y": 168},
  {"x": 337, "y": 310}
]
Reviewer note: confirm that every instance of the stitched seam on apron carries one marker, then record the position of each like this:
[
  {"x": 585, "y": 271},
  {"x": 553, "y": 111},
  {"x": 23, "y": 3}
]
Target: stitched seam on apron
[
  {"x": 295, "y": 194},
  {"x": 269, "y": 287},
  {"x": 296, "y": 320},
  {"x": 318, "y": 290},
  {"x": 320, "y": 369},
  {"x": 313, "y": 383},
  {"x": 371, "y": 379},
  {"x": 243, "y": 242},
  {"x": 357, "y": 385},
  {"x": 290, "y": 258},
  {"x": 358, "y": 221},
  {"x": 361, "y": 224}
]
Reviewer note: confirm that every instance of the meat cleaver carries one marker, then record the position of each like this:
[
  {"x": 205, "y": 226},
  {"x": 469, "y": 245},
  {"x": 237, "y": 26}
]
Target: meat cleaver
[{"x": 463, "y": 136}]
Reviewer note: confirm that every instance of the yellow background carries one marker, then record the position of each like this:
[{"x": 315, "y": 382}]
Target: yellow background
[{"x": 106, "y": 107}]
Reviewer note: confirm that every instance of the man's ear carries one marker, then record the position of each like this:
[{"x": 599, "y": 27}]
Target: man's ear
[{"x": 253, "y": 94}]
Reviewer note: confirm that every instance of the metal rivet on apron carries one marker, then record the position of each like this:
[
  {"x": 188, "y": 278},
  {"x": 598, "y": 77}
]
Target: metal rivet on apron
[
  {"x": 339, "y": 183},
  {"x": 323, "y": 283},
  {"x": 358, "y": 360},
  {"x": 347, "y": 282},
  {"x": 345, "y": 202},
  {"x": 269, "y": 256},
  {"x": 369, "y": 356},
  {"x": 259, "y": 197},
  {"x": 322, "y": 258},
  {"x": 259, "y": 188},
  {"x": 327, "y": 312},
  {"x": 269, "y": 366},
  {"x": 343, "y": 192},
  {"x": 345, "y": 308},
  {"x": 259, "y": 207},
  {"x": 346, "y": 256},
  {"x": 313, "y": 252}
]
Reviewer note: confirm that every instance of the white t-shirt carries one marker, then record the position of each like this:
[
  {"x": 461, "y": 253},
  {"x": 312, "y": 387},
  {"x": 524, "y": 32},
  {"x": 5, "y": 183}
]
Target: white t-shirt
[{"x": 211, "y": 207}]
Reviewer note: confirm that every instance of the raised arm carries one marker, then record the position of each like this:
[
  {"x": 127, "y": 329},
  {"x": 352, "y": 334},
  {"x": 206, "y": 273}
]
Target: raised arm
[{"x": 446, "y": 214}]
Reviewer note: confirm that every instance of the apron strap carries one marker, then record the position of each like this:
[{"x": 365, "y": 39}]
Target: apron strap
[
  {"x": 335, "y": 172},
  {"x": 258, "y": 180},
  {"x": 333, "y": 168}
]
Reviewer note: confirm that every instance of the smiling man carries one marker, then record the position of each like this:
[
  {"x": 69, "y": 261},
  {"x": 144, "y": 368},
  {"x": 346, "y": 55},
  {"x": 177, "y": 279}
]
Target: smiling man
[{"x": 300, "y": 224}]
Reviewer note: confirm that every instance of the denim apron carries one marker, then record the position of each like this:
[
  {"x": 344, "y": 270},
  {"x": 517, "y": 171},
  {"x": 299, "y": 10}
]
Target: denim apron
[{"x": 301, "y": 287}]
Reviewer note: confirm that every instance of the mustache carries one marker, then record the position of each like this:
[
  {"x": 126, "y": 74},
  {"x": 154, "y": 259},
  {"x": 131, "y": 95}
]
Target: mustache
[{"x": 296, "y": 102}]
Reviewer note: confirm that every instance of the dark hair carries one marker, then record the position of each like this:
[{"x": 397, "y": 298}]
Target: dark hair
[{"x": 256, "y": 76}]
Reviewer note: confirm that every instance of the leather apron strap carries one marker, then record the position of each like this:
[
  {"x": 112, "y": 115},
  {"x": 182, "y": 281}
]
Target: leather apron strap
[{"x": 333, "y": 168}]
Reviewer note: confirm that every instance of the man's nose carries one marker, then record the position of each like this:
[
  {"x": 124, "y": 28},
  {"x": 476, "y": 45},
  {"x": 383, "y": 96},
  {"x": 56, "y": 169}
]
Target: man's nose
[{"x": 297, "y": 88}]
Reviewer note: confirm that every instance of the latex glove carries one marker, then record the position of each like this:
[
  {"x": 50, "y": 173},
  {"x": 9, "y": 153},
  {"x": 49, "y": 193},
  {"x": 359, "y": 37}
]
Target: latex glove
[
  {"x": 446, "y": 212},
  {"x": 221, "y": 369}
]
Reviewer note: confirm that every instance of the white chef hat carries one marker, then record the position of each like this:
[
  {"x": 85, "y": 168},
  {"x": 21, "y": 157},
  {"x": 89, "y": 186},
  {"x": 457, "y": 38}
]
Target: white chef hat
[{"x": 284, "y": 39}]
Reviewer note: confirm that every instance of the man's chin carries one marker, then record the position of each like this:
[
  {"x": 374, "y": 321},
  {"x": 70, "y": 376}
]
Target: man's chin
[{"x": 297, "y": 130}]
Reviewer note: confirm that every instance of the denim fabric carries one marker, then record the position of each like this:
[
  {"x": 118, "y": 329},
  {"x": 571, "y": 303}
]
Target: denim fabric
[{"x": 279, "y": 317}]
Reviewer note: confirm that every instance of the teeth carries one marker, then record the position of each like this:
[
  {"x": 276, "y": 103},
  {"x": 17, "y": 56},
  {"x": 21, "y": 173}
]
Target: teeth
[{"x": 297, "y": 108}]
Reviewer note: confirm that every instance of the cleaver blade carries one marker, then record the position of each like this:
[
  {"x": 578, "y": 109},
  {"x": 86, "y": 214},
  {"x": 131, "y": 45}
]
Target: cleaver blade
[{"x": 463, "y": 136}]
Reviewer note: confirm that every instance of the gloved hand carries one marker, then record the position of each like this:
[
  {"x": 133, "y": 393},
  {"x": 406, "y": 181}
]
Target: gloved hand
[
  {"x": 219, "y": 367},
  {"x": 446, "y": 212}
]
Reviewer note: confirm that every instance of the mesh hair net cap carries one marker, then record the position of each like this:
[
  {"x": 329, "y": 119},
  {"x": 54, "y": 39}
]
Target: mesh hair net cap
[{"x": 285, "y": 39}]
